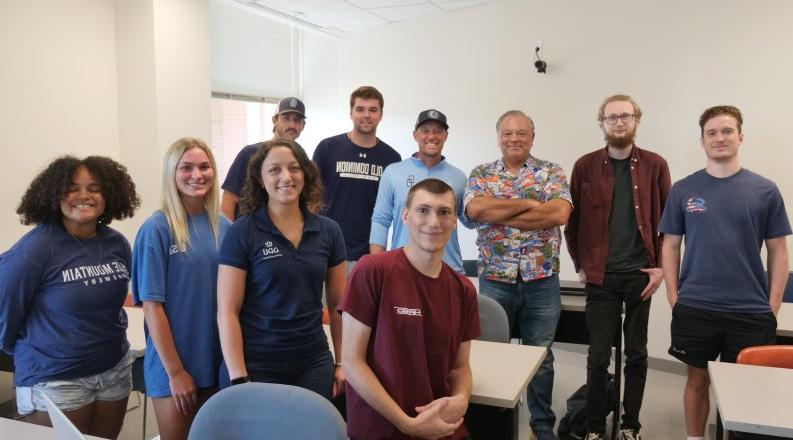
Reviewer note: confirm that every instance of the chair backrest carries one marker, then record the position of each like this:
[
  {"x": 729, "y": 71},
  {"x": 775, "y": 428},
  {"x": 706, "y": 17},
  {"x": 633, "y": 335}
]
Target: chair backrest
[
  {"x": 780, "y": 356},
  {"x": 493, "y": 319},
  {"x": 264, "y": 411}
]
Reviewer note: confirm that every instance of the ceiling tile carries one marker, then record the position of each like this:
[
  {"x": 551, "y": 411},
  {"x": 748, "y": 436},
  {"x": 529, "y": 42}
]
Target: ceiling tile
[
  {"x": 367, "y": 4},
  {"x": 399, "y": 13},
  {"x": 457, "y": 4}
]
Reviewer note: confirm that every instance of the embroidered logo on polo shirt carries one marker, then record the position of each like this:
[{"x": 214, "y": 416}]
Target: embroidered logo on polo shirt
[
  {"x": 407, "y": 311},
  {"x": 696, "y": 205},
  {"x": 411, "y": 180},
  {"x": 270, "y": 251}
]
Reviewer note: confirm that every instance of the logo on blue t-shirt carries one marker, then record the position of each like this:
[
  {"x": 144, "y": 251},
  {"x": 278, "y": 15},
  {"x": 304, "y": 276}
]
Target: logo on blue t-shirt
[
  {"x": 695, "y": 205},
  {"x": 270, "y": 251},
  {"x": 176, "y": 249},
  {"x": 410, "y": 181}
]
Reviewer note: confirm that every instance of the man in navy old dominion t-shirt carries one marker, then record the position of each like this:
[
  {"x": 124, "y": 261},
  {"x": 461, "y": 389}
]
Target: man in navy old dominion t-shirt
[
  {"x": 350, "y": 165},
  {"x": 722, "y": 301}
]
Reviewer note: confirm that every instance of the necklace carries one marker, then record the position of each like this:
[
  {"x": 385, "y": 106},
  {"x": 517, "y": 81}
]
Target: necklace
[{"x": 99, "y": 261}]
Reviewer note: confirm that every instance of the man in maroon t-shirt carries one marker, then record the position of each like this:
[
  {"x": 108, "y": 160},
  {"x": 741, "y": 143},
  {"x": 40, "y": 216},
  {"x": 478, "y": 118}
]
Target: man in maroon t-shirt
[{"x": 408, "y": 321}]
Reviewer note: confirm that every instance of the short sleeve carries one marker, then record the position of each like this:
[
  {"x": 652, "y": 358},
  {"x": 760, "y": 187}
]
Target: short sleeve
[
  {"x": 471, "y": 326},
  {"x": 672, "y": 221},
  {"x": 362, "y": 294},
  {"x": 475, "y": 187},
  {"x": 338, "y": 251},
  {"x": 21, "y": 270},
  {"x": 556, "y": 187},
  {"x": 234, "y": 247},
  {"x": 235, "y": 179},
  {"x": 778, "y": 224},
  {"x": 150, "y": 262}
]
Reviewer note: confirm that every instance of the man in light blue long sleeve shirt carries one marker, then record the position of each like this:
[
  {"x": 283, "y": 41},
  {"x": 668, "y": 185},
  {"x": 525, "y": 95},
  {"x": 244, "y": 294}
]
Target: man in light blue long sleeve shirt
[{"x": 430, "y": 133}]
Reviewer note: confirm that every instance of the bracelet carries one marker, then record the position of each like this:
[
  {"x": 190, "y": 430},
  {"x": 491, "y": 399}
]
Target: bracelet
[
  {"x": 241, "y": 379},
  {"x": 337, "y": 364}
]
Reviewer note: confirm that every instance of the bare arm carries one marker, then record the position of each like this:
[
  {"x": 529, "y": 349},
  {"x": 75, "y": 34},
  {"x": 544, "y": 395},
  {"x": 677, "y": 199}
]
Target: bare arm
[
  {"x": 670, "y": 254},
  {"x": 777, "y": 271},
  {"x": 461, "y": 382},
  {"x": 487, "y": 209},
  {"x": 183, "y": 387},
  {"x": 231, "y": 290},
  {"x": 545, "y": 215},
  {"x": 428, "y": 424},
  {"x": 376, "y": 248},
  {"x": 334, "y": 289},
  {"x": 228, "y": 202}
]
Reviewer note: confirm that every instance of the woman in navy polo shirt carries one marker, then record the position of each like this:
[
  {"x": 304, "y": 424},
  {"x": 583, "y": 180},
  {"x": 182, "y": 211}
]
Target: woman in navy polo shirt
[{"x": 273, "y": 263}]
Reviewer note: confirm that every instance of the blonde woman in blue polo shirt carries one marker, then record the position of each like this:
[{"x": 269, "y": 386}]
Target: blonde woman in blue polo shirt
[
  {"x": 174, "y": 276},
  {"x": 273, "y": 264}
]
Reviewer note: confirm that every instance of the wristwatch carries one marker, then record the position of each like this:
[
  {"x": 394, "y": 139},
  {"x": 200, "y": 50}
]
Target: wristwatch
[{"x": 241, "y": 379}]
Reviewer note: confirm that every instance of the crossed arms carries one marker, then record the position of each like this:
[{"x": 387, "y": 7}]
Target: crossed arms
[{"x": 523, "y": 214}]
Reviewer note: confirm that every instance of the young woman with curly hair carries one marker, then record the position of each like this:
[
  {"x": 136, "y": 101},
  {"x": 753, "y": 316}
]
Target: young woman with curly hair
[
  {"x": 62, "y": 288},
  {"x": 174, "y": 276},
  {"x": 273, "y": 264}
]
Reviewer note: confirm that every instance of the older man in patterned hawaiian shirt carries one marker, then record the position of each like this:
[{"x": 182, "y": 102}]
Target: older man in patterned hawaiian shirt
[{"x": 519, "y": 202}]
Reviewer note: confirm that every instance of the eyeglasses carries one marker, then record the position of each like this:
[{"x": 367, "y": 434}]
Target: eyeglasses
[{"x": 625, "y": 118}]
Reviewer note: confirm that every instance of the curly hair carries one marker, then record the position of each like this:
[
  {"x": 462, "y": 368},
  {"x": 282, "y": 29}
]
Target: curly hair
[
  {"x": 42, "y": 200},
  {"x": 254, "y": 196}
]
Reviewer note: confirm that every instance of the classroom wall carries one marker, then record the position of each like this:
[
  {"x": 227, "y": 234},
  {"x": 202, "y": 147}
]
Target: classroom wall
[
  {"x": 676, "y": 60},
  {"x": 57, "y": 92}
]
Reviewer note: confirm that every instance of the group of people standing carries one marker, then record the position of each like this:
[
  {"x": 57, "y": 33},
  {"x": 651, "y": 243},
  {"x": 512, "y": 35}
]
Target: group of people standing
[{"x": 227, "y": 303}]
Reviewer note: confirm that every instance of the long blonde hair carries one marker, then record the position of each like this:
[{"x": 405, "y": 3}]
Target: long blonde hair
[{"x": 172, "y": 206}]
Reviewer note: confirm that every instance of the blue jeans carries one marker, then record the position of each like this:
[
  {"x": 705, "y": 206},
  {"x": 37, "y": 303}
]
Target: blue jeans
[
  {"x": 312, "y": 371},
  {"x": 534, "y": 307}
]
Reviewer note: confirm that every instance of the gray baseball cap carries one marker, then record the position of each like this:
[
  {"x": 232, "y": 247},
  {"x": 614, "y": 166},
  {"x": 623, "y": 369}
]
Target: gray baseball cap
[
  {"x": 432, "y": 115},
  {"x": 291, "y": 105}
]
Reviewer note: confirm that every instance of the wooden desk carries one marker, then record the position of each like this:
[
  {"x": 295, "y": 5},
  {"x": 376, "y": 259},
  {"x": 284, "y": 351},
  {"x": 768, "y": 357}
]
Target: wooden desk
[
  {"x": 753, "y": 399},
  {"x": 15, "y": 429}
]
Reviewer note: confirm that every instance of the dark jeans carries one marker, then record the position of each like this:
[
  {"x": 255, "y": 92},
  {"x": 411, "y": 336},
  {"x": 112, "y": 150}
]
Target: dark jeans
[
  {"x": 312, "y": 371},
  {"x": 603, "y": 306}
]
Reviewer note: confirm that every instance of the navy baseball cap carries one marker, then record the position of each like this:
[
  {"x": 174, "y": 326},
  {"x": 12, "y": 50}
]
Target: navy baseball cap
[
  {"x": 291, "y": 105},
  {"x": 432, "y": 115}
]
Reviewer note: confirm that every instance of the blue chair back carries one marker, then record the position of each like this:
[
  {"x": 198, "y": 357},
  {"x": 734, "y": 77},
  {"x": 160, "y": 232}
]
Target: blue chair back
[{"x": 264, "y": 411}]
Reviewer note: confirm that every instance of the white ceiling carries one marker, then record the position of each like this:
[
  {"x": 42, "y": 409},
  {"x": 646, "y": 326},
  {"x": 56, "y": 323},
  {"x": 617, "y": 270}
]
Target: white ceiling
[{"x": 339, "y": 17}]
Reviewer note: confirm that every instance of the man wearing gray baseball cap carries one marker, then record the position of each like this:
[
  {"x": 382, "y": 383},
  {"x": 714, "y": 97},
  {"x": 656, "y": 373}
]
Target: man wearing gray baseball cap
[
  {"x": 288, "y": 123},
  {"x": 430, "y": 133}
]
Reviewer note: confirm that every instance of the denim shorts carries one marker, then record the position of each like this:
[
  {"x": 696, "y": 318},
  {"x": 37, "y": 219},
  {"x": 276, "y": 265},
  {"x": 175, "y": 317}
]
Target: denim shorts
[{"x": 72, "y": 394}]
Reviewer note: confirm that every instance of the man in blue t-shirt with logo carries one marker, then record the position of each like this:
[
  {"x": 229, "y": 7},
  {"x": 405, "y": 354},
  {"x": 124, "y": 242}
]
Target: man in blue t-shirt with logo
[
  {"x": 288, "y": 122},
  {"x": 722, "y": 301},
  {"x": 350, "y": 165}
]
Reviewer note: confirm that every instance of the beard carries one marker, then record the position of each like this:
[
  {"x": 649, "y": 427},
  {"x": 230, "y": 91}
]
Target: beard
[{"x": 622, "y": 142}]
